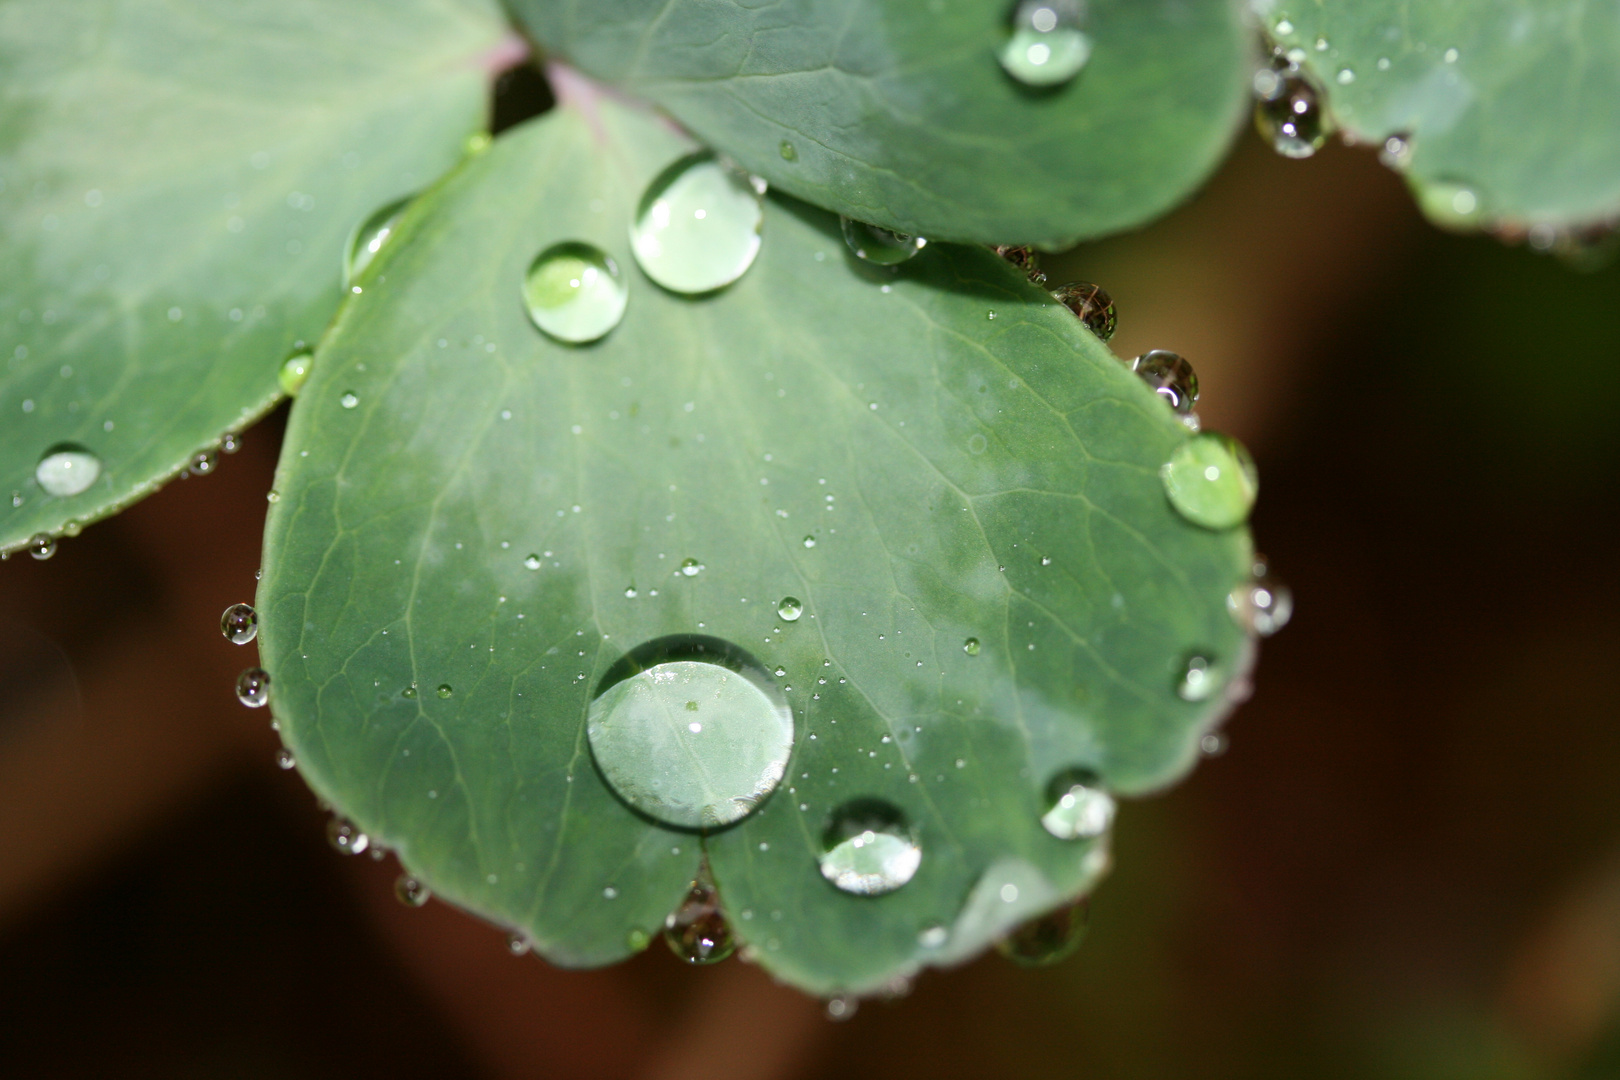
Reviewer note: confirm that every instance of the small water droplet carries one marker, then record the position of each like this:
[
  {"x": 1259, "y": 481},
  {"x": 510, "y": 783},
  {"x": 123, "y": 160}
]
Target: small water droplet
[
  {"x": 1346, "y": 76},
  {"x": 574, "y": 292},
  {"x": 445, "y": 690},
  {"x": 532, "y": 561},
  {"x": 368, "y": 239},
  {"x": 42, "y": 545},
  {"x": 1170, "y": 376},
  {"x": 1047, "y": 46},
  {"x": 1212, "y": 745},
  {"x": 1199, "y": 678},
  {"x": 410, "y": 892},
  {"x": 787, "y": 151},
  {"x": 691, "y": 567},
  {"x": 1396, "y": 153},
  {"x": 1262, "y": 605},
  {"x": 1025, "y": 259},
  {"x": 409, "y": 691},
  {"x": 345, "y": 836},
  {"x": 1048, "y": 938},
  {"x": 869, "y": 849},
  {"x": 630, "y": 592},
  {"x": 1450, "y": 205},
  {"x": 1078, "y": 806},
  {"x": 295, "y": 371},
  {"x": 790, "y": 609},
  {"x": 877, "y": 245},
  {"x": 66, "y": 469},
  {"x": 697, "y": 227},
  {"x": 1288, "y": 111},
  {"x": 517, "y": 944},
  {"x": 809, "y": 541},
  {"x": 230, "y": 442},
  {"x": 971, "y": 646},
  {"x": 239, "y": 624},
  {"x": 285, "y": 759},
  {"x": 203, "y": 462},
  {"x": 697, "y": 931},
  {"x": 1211, "y": 481},
  {"x": 253, "y": 687},
  {"x": 1091, "y": 304},
  {"x": 933, "y": 936},
  {"x": 349, "y": 399}
]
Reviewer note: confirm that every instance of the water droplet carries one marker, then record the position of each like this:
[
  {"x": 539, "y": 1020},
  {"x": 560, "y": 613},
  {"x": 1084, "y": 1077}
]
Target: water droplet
[
  {"x": 1212, "y": 745},
  {"x": 532, "y": 561},
  {"x": 517, "y": 944},
  {"x": 370, "y": 237},
  {"x": 933, "y": 936},
  {"x": 1170, "y": 376},
  {"x": 694, "y": 735},
  {"x": 1049, "y": 938},
  {"x": 868, "y": 848},
  {"x": 345, "y": 836},
  {"x": 67, "y": 470},
  {"x": 285, "y": 759},
  {"x": 1025, "y": 259},
  {"x": 788, "y": 152},
  {"x": 1199, "y": 678},
  {"x": 295, "y": 371},
  {"x": 1450, "y": 205},
  {"x": 629, "y": 592},
  {"x": 875, "y": 244},
  {"x": 971, "y": 646},
  {"x": 42, "y": 545},
  {"x": 1346, "y": 76},
  {"x": 1048, "y": 45},
  {"x": 410, "y": 892},
  {"x": 574, "y": 292},
  {"x": 1262, "y": 605},
  {"x": 697, "y": 931},
  {"x": 1396, "y": 153},
  {"x": 445, "y": 690},
  {"x": 697, "y": 227},
  {"x": 790, "y": 609},
  {"x": 1211, "y": 481},
  {"x": 230, "y": 442},
  {"x": 1288, "y": 112},
  {"x": 253, "y": 687},
  {"x": 349, "y": 399},
  {"x": 239, "y": 624},
  {"x": 1091, "y": 304},
  {"x": 841, "y": 1007},
  {"x": 1078, "y": 807},
  {"x": 809, "y": 541},
  {"x": 691, "y": 567},
  {"x": 203, "y": 462},
  {"x": 409, "y": 692}
]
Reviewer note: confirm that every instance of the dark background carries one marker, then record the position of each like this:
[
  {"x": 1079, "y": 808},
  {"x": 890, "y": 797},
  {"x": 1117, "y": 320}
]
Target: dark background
[{"x": 1407, "y": 864}]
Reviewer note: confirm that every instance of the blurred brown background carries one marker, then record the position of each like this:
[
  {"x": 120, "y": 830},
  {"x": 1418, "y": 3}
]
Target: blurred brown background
[{"x": 1407, "y": 865}]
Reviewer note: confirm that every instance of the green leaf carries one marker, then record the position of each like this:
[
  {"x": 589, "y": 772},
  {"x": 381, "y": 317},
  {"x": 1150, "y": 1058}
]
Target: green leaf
[
  {"x": 897, "y": 112},
  {"x": 918, "y": 456},
  {"x": 1511, "y": 111},
  {"x": 177, "y": 183}
]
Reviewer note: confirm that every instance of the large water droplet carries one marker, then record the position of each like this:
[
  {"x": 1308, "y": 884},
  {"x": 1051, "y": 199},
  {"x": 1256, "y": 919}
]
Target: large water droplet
[
  {"x": 869, "y": 849},
  {"x": 1288, "y": 112},
  {"x": 574, "y": 292},
  {"x": 345, "y": 836},
  {"x": 370, "y": 237},
  {"x": 1078, "y": 807},
  {"x": 690, "y": 731},
  {"x": 697, "y": 931},
  {"x": 1091, "y": 304},
  {"x": 1211, "y": 481},
  {"x": 295, "y": 371},
  {"x": 42, "y": 545},
  {"x": 790, "y": 609},
  {"x": 1049, "y": 938},
  {"x": 1263, "y": 604},
  {"x": 410, "y": 892},
  {"x": 67, "y": 470},
  {"x": 253, "y": 687},
  {"x": 1048, "y": 45},
  {"x": 875, "y": 244},
  {"x": 1170, "y": 376},
  {"x": 239, "y": 624},
  {"x": 697, "y": 227}
]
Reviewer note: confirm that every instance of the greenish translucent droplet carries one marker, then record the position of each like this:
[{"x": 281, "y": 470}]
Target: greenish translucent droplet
[
  {"x": 971, "y": 646},
  {"x": 369, "y": 238},
  {"x": 1049, "y": 938},
  {"x": 445, "y": 690},
  {"x": 691, "y": 742},
  {"x": 1450, "y": 205},
  {"x": 67, "y": 469},
  {"x": 574, "y": 292},
  {"x": 691, "y": 568},
  {"x": 1211, "y": 481},
  {"x": 1263, "y": 604},
  {"x": 1078, "y": 807},
  {"x": 1048, "y": 45},
  {"x": 349, "y": 399},
  {"x": 869, "y": 849},
  {"x": 790, "y": 609},
  {"x": 295, "y": 371},
  {"x": 1199, "y": 678},
  {"x": 698, "y": 224},
  {"x": 788, "y": 152},
  {"x": 875, "y": 244}
]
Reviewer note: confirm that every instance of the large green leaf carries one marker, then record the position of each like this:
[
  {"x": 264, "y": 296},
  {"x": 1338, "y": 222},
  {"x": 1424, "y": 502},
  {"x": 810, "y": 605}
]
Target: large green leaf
[
  {"x": 177, "y": 184},
  {"x": 921, "y": 456},
  {"x": 897, "y": 112},
  {"x": 1511, "y": 110}
]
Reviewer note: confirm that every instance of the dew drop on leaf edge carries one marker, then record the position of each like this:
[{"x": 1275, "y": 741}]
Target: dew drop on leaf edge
[
  {"x": 411, "y": 892},
  {"x": 345, "y": 837},
  {"x": 369, "y": 236},
  {"x": 1211, "y": 480},
  {"x": 294, "y": 371},
  {"x": 697, "y": 930},
  {"x": 1091, "y": 304},
  {"x": 253, "y": 687},
  {"x": 1170, "y": 376},
  {"x": 42, "y": 545},
  {"x": 1047, "y": 938},
  {"x": 239, "y": 624}
]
